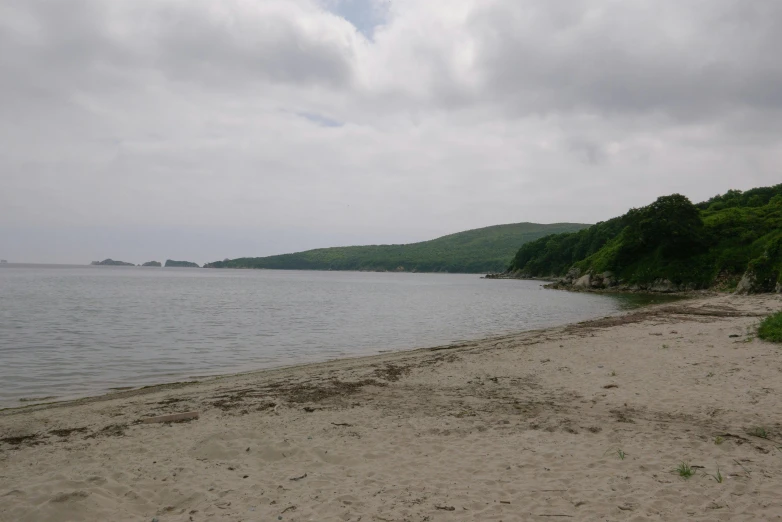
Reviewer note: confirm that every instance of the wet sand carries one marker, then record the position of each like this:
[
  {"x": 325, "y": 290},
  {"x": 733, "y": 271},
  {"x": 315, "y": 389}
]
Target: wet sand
[{"x": 583, "y": 422}]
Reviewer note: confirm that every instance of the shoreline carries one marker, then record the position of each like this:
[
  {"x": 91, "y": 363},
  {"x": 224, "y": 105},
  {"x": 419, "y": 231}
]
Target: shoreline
[
  {"x": 511, "y": 427},
  {"x": 194, "y": 380},
  {"x": 135, "y": 391}
]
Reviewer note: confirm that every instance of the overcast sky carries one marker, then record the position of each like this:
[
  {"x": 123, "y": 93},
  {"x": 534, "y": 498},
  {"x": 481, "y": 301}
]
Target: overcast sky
[{"x": 205, "y": 129}]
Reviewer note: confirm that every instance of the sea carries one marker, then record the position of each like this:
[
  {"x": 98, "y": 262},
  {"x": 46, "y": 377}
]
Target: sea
[{"x": 73, "y": 331}]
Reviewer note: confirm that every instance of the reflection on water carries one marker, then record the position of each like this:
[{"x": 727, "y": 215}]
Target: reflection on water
[{"x": 74, "y": 331}]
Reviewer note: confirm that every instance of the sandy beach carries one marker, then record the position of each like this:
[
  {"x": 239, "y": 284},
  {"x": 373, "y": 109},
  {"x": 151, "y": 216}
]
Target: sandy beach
[{"x": 583, "y": 422}]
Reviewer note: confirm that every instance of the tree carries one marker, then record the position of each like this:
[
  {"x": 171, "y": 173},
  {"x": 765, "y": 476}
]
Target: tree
[{"x": 671, "y": 225}]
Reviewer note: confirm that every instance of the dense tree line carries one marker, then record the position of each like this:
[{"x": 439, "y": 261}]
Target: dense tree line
[{"x": 673, "y": 239}]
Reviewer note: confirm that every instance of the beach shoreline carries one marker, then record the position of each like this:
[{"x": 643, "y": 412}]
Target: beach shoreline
[
  {"x": 99, "y": 393},
  {"x": 565, "y": 421},
  {"x": 29, "y": 403}
]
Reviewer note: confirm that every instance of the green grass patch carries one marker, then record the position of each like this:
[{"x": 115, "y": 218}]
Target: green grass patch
[
  {"x": 685, "y": 470},
  {"x": 771, "y": 328}
]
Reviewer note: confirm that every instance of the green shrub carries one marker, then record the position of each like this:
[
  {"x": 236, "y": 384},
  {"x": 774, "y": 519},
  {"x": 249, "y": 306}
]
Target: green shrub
[{"x": 771, "y": 328}]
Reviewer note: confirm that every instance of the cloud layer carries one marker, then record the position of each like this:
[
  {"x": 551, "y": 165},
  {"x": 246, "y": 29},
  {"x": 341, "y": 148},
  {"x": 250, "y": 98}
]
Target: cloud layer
[{"x": 281, "y": 119}]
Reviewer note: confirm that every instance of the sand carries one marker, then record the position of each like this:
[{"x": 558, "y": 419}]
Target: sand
[{"x": 523, "y": 427}]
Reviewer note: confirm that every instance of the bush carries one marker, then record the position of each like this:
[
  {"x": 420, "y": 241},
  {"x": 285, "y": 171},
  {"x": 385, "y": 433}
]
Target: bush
[{"x": 771, "y": 328}]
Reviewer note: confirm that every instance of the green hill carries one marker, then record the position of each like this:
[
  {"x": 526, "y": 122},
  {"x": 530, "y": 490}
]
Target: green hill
[
  {"x": 484, "y": 250},
  {"x": 731, "y": 241}
]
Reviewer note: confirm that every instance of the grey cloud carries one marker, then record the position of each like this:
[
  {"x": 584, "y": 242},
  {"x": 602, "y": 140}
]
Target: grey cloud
[
  {"x": 86, "y": 44},
  {"x": 588, "y": 151},
  {"x": 273, "y": 47},
  {"x": 687, "y": 60},
  {"x": 282, "y": 128}
]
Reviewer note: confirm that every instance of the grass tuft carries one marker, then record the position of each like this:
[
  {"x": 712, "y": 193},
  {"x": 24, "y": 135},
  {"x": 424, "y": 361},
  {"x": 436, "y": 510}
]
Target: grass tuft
[
  {"x": 771, "y": 328},
  {"x": 719, "y": 440},
  {"x": 685, "y": 470},
  {"x": 618, "y": 452},
  {"x": 718, "y": 477},
  {"x": 759, "y": 431}
]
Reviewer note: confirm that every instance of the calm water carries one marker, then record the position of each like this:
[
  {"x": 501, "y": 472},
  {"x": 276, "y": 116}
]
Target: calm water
[{"x": 75, "y": 331}]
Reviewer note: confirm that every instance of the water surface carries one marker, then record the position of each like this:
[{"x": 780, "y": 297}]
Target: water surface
[{"x": 76, "y": 331}]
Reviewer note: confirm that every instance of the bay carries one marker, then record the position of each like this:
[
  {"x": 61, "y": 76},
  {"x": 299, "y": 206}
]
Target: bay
[{"x": 68, "y": 331}]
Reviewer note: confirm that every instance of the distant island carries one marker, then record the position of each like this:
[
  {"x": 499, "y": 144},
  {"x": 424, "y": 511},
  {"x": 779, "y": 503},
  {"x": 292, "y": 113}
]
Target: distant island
[
  {"x": 152, "y": 263},
  {"x": 732, "y": 242},
  {"x": 180, "y": 264},
  {"x": 111, "y": 262},
  {"x": 481, "y": 250}
]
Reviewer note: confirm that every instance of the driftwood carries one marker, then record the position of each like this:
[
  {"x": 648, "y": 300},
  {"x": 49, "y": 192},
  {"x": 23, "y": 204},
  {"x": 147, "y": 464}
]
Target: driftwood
[{"x": 174, "y": 417}]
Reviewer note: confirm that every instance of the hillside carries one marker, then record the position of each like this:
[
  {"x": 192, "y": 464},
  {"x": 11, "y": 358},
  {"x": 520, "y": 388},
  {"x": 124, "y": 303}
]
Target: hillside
[
  {"x": 731, "y": 241},
  {"x": 487, "y": 249}
]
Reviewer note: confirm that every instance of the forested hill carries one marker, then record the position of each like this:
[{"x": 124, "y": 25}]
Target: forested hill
[
  {"x": 481, "y": 250},
  {"x": 730, "y": 241}
]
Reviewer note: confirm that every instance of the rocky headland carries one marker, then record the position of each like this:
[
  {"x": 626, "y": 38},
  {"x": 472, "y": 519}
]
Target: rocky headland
[{"x": 730, "y": 243}]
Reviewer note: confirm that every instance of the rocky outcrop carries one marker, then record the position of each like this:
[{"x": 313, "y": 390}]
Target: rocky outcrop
[
  {"x": 577, "y": 281},
  {"x": 753, "y": 283},
  {"x": 748, "y": 284},
  {"x": 583, "y": 283},
  {"x": 608, "y": 281},
  {"x": 574, "y": 280},
  {"x": 573, "y": 275}
]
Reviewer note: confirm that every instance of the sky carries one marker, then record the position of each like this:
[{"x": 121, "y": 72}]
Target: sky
[{"x": 205, "y": 129}]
